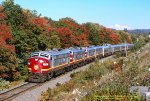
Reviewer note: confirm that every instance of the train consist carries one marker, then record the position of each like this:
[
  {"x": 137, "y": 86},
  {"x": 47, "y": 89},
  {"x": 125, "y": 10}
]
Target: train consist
[{"x": 44, "y": 65}]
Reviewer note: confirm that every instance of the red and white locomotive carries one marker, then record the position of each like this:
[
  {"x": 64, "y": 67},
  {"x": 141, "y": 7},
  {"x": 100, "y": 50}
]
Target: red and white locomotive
[{"x": 44, "y": 65}]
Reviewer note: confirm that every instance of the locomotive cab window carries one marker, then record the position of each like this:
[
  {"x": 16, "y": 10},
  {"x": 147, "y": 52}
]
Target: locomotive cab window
[
  {"x": 44, "y": 55},
  {"x": 34, "y": 54}
]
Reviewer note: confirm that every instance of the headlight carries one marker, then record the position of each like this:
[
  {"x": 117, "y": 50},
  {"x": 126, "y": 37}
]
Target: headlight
[
  {"x": 45, "y": 64},
  {"x": 28, "y": 63}
]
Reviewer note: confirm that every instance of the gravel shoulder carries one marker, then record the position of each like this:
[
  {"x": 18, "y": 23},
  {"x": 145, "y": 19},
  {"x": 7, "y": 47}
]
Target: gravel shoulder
[{"x": 33, "y": 95}]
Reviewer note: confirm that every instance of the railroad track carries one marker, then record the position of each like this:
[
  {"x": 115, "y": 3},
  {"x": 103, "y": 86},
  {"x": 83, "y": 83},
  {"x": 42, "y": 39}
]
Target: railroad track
[
  {"x": 13, "y": 93},
  {"x": 9, "y": 95}
]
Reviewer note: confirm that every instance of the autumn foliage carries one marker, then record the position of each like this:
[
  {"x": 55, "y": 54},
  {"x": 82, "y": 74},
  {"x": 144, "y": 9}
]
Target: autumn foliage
[
  {"x": 24, "y": 31},
  {"x": 39, "y": 21},
  {"x": 6, "y": 38},
  {"x": 66, "y": 37},
  {"x": 113, "y": 37},
  {"x": 7, "y": 54}
]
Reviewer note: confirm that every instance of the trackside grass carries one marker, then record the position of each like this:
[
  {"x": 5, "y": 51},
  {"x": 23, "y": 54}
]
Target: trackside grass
[{"x": 109, "y": 81}]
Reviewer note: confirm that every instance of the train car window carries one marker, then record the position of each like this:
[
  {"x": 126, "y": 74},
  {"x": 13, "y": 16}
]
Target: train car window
[
  {"x": 91, "y": 52},
  {"x": 60, "y": 61},
  {"x": 98, "y": 51},
  {"x": 106, "y": 50},
  {"x": 78, "y": 55}
]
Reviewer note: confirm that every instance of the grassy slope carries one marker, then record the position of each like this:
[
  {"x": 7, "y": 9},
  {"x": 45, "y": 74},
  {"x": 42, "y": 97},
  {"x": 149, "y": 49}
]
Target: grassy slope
[{"x": 104, "y": 79}]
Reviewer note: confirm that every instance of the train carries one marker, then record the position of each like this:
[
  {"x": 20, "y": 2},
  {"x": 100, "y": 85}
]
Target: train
[{"x": 44, "y": 65}]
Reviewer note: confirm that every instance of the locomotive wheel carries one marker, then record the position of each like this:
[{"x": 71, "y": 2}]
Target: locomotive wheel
[
  {"x": 67, "y": 69},
  {"x": 49, "y": 75},
  {"x": 43, "y": 79}
]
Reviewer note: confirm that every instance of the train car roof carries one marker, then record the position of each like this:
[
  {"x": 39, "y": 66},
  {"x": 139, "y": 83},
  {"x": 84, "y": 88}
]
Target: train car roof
[
  {"x": 98, "y": 47},
  {"x": 76, "y": 50},
  {"x": 59, "y": 52},
  {"x": 127, "y": 44},
  {"x": 123, "y": 44},
  {"x": 106, "y": 46},
  {"x": 53, "y": 52},
  {"x": 118, "y": 45},
  {"x": 91, "y": 48},
  {"x": 131, "y": 44}
]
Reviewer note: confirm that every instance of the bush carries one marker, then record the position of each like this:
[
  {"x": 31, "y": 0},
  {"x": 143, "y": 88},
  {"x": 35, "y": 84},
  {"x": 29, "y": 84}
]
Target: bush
[
  {"x": 16, "y": 76},
  {"x": 3, "y": 84}
]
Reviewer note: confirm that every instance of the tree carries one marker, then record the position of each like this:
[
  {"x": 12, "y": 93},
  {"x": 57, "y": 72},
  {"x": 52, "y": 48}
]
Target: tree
[
  {"x": 66, "y": 37},
  {"x": 124, "y": 37},
  {"x": 14, "y": 14},
  {"x": 93, "y": 36},
  {"x": 8, "y": 61},
  {"x": 113, "y": 37},
  {"x": 54, "y": 40}
]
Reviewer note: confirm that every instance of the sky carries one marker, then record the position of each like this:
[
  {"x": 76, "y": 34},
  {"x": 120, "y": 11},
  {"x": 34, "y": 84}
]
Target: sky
[{"x": 119, "y": 14}]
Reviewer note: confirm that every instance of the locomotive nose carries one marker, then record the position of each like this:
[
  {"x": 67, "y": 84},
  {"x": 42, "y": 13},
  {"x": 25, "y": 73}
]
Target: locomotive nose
[
  {"x": 37, "y": 65},
  {"x": 34, "y": 65}
]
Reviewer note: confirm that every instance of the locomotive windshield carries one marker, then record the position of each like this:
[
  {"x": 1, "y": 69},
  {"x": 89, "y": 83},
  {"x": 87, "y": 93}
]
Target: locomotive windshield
[
  {"x": 44, "y": 55},
  {"x": 40, "y": 54},
  {"x": 34, "y": 54}
]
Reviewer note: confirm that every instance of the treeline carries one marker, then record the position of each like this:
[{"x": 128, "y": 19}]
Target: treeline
[{"x": 23, "y": 31}]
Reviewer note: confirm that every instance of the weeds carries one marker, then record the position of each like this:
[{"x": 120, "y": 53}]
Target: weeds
[
  {"x": 104, "y": 80},
  {"x": 4, "y": 84}
]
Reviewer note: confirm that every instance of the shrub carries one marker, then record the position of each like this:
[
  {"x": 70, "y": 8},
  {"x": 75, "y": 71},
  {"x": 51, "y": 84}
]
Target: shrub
[{"x": 3, "y": 84}]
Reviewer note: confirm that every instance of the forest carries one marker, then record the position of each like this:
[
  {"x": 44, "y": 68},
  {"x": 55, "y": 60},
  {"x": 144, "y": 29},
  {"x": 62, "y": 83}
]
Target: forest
[{"x": 23, "y": 31}]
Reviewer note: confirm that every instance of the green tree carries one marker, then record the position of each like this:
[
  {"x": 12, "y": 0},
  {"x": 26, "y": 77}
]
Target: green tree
[
  {"x": 8, "y": 64},
  {"x": 54, "y": 40},
  {"x": 93, "y": 36},
  {"x": 14, "y": 14}
]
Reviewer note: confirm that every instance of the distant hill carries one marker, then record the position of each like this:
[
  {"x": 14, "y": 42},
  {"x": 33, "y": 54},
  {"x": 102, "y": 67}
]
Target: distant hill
[{"x": 139, "y": 31}]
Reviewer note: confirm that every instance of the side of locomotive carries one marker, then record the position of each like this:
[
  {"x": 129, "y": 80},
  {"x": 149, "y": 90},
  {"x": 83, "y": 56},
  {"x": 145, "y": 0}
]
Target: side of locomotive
[{"x": 46, "y": 64}]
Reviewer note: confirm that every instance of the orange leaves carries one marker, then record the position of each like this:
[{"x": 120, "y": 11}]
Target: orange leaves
[
  {"x": 74, "y": 34},
  {"x": 48, "y": 29},
  {"x": 64, "y": 31},
  {"x": 82, "y": 40},
  {"x": 2, "y": 15},
  {"x": 117, "y": 67},
  {"x": 71, "y": 24},
  {"x": 85, "y": 29},
  {"x": 66, "y": 36},
  {"x": 78, "y": 33},
  {"x": 110, "y": 35},
  {"x": 4, "y": 31},
  {"x": 114, "y": 38},
  {"x": 41, "y": 26},
  {"x": 5, "y": 36},
  {"x": 39, "y": 21}
]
